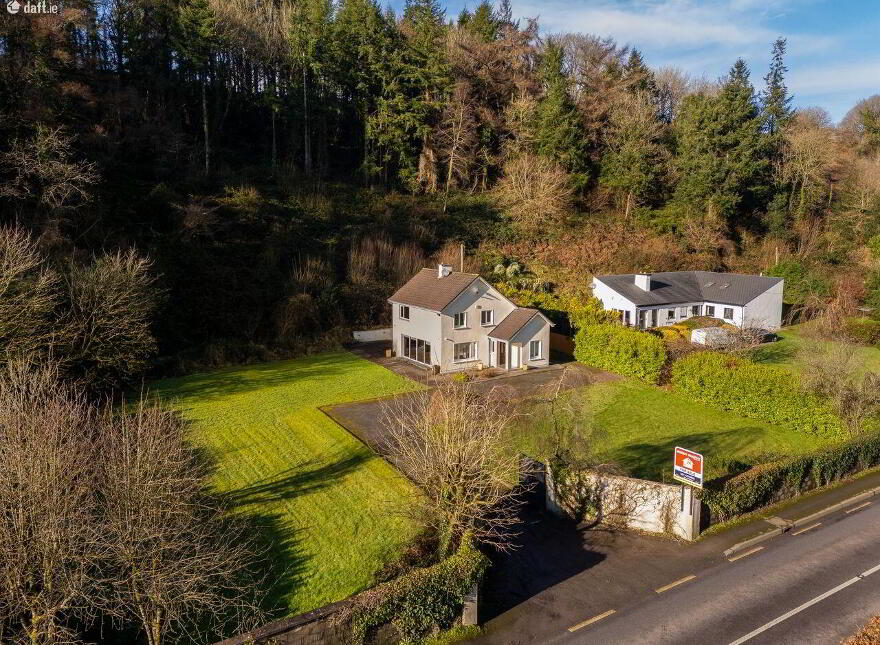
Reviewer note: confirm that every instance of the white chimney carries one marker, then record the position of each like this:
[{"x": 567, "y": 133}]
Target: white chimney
[
  {"x": 643, "y": 281},
  {"x": 443, "y": 270}
]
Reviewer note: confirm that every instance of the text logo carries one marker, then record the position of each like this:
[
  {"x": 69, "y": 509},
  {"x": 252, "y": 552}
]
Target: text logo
[{"x": 12, "y": 6}]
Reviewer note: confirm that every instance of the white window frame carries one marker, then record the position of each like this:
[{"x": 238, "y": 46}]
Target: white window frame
[
  {"x": 464, "y": 318},
  {"x": 410, "y": 346},
  {"x": 697, "y": 307},
  {"x": 670, "y": 314},
  {"x": 730, "y": 309},
  {"x": 535, "y": 356},
  {"x": 491, "y": 313},
  {"x": 404, "y": 312},
  {"x": 682, "y": 312},
  {"x": 472, "y": 354},
  {"x": 710, "y": 310}
]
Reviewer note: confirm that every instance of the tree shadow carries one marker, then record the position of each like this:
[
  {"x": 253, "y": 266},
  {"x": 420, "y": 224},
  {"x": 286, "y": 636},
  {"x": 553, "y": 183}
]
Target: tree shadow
[{"x": 774, "y": 353}]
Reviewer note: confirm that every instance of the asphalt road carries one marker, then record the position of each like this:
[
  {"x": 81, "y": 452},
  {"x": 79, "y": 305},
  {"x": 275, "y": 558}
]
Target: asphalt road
[{"x": 818, "y": 585}]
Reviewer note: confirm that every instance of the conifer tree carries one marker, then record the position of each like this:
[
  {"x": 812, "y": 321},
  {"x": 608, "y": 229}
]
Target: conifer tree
[
  {"x": 775, "y": 100},
  {"x": 559, "y": 132}
]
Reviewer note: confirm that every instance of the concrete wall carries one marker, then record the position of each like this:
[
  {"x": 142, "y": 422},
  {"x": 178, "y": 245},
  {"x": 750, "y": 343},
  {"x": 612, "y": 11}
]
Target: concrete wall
[
  {"x": 372, "y": 335},
  {"x": 476, "y": 298},
  {"x": 627, "y": 503},
  {"x": 765, "y": 311},
  {"x": 422, "y": 324}
]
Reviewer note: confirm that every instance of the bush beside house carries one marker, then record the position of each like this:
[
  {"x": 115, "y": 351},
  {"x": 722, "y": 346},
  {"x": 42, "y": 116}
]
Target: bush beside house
[
  {"x": 764, "y": 392},
  {"x": 620, "y": 349},
  {"x": 772, "y": 482}
]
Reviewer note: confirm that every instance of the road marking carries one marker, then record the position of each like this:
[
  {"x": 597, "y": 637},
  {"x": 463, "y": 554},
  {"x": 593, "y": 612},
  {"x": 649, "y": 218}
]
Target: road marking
[
  {"x": 806, "y": 605},
  {"x": 742, "y": 555},
  {"x": 675, "y": 584},
  {"x": 594, "y": 619},
  {"x": 855, "y": 508},
  {"x": 809, "y": 528}
]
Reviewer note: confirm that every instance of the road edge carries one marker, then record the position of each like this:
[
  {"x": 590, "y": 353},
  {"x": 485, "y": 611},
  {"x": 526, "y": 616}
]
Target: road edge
[{"x": 772, "y": 533}]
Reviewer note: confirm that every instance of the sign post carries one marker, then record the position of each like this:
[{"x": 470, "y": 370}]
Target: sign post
[{"x": 688, "y": 467}]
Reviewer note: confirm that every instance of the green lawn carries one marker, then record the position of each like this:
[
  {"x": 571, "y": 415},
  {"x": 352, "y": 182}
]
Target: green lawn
[
  {"x": 637, "y": 427},
  {"x": 319, "y": 495},
  {"x": 795, "y": 339}
]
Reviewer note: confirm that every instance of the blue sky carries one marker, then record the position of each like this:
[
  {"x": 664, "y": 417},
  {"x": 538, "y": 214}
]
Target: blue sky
[{"x": 833, "y": 46}]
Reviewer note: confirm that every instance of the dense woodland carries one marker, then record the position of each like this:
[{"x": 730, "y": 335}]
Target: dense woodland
[{"x": 201, "y": 182}]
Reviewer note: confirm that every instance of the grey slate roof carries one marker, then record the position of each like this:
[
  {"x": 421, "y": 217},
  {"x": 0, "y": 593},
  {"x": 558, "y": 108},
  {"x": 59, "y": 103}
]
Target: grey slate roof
[
  {"x": 513, "y": 322},
  {"x": 674, "y": 287},
  {"x": 428, "y": 291}
]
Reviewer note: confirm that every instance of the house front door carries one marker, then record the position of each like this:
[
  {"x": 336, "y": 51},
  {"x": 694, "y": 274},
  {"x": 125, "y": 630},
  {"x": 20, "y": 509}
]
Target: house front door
[{"x": 501, "y": 354}]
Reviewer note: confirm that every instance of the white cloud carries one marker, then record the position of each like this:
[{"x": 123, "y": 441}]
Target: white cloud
[{"x": 844, "y": 76}]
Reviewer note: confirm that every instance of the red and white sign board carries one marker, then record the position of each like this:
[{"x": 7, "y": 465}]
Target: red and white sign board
[{"x": 688, "y": 467}]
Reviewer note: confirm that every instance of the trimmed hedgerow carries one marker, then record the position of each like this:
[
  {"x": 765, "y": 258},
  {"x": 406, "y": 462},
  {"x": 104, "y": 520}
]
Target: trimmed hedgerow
[
  {"x": 766, "y": 392},
  {"x": 420, "y": 601},
  {"x": 619, "y": 349},
  {"x": 772, "y": 482}
]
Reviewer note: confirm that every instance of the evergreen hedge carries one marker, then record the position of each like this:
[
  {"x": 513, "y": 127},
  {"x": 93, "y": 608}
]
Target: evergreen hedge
[
  {"x": 766, "y": 392},
  {"x": 620, "y": 349},
  {"x": 419, "y": 601},
  {"x": 772, "y": 482}
]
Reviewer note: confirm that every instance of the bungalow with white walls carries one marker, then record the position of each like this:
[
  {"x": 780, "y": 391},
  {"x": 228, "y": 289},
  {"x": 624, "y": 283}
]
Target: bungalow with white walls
[
  {"x": 648, "y": 300},
  {"x": 454, "y": 321}
]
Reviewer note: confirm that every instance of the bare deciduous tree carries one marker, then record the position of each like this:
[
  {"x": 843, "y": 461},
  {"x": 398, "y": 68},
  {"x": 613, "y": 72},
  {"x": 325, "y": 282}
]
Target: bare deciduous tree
[
  {"x": 51, "y": 547},
  {"x": 178, "y": 565},
  {"x": 450, "y": 441},
  {"x": 534, "y": 192},
  {"x": 28, "y": 294}
]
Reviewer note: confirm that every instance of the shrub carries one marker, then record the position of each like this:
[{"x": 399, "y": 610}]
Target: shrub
[
  {"x": 420, "y": 601},
  {"x": 622, "y": 350},
  {"x": 801, "y": 282},
  {"x": 863, "y": 330},
  {"x": 771, "y": 482},
  {"x": 766, "y": 392}
]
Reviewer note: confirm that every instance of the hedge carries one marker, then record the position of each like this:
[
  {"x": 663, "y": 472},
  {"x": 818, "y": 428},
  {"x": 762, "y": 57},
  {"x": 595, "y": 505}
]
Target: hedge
[
  {"x": 419, "y": 601},
  {"x": 772, "y": 482},
  {"x": 622, "y": 350},
  {"x": 766, "y": 392}
]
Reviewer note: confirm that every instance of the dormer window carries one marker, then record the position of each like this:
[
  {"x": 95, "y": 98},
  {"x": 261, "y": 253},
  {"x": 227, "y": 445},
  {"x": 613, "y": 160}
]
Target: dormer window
[
  {"x": 487, "y": 317},
  {"x": 460, "y": 320}
]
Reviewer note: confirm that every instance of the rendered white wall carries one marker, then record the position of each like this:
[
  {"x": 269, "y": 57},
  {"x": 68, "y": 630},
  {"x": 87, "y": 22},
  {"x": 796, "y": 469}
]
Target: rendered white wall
[
  {"x": 765, "y": 311},
  {"x": 372, "y": 335},
  {"x": 422, "y": 324},
  {"x": 473, "y": 300}
]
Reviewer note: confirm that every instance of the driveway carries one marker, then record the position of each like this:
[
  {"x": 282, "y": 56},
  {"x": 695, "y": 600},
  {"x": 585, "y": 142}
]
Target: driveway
[{"x": 364, "y": 419}]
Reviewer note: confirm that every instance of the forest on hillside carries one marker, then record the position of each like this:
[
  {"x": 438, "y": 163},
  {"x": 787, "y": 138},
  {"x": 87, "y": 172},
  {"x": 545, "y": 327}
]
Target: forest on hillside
[{"x": 190, "y": 184}]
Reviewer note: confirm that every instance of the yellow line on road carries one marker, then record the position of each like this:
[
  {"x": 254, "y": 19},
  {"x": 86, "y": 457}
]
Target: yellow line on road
[
  {"x": 742, "y": 555},
  {"x": 855, "y": 508},
  {"x": 675, "y": 584},
  {"x": 594, "y": 619},
  {"x": 809, "y": 528}
]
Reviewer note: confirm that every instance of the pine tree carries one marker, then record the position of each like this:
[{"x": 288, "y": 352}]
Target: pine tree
[
  {"x": 775, "y": 100},
  {"x": 559, "y": 133},
  {"x": 722, "y": 156},
  {"x": 637, "y": 76}
]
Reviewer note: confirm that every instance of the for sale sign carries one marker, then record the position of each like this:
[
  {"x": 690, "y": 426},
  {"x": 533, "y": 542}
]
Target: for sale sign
[{"x": 688, "y": 467}]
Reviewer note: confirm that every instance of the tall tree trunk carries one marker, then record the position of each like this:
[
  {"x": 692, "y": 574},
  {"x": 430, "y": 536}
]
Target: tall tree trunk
[
  {"x": 274, "y": 143},
  {"x": 206, "y": 126},
  {"x": 307, "y": 143}
]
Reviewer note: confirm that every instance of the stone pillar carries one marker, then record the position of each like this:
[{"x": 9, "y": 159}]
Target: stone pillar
[{"x": 470, "y": 611}]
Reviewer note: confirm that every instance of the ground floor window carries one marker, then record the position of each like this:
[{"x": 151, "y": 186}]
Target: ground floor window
[
  {"x": 728, "y": 313},
  {"x": 682, "y": 312},
  {"x": 464, "y": 351},
  {"x": 670, "y": 314},
  {"x": 710, "y": 310},
  {"x": 695, "y": 310},
  {"x": 416, "y": 349},
  {"x": 534, "y": 350}
]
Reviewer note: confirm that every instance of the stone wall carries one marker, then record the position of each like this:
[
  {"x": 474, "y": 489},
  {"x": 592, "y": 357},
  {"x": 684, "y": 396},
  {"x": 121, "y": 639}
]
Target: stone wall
[{"x": 372, "y": 335}]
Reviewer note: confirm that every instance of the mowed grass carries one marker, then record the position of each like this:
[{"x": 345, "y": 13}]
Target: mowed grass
[
  {"x": 637, "y": 426},
  {"x": 795, "y": 341},
  {"x": 317, "y": 495}
]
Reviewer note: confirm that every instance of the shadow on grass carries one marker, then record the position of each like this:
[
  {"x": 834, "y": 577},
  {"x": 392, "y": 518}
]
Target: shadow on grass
[
  {"x": 199, "y": 388},
  {"x": 779, "y": 352},
  {"x": 654, "y": 460}
]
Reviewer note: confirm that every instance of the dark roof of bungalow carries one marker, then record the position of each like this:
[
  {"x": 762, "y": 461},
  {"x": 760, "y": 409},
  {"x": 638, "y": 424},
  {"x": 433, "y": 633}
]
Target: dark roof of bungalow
[
  {"x": 678, "y": 287},
  {"x": 428, "y": 291}
]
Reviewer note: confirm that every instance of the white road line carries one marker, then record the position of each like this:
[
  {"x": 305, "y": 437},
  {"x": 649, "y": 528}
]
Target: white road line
[
  {"x": 742, "y": 555},
  {"x": 809, "y": 528},
  {"x": 592, "y": 620},
  {"x": 675, "y": 584},
  {"x": 806, "y": 605},
  {"x": 855, "y": 508}
]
